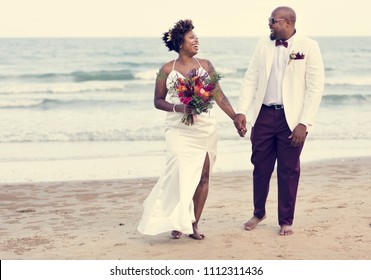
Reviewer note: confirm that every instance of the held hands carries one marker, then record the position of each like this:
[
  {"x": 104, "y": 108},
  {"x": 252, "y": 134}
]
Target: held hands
[
  {"x": 240, "y": 124},
  {"x": 298, "y": 135}
]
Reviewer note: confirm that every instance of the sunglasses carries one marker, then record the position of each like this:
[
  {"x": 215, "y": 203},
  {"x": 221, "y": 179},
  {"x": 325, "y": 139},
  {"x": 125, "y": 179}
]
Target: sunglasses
[{"x": 273, "y": 20}]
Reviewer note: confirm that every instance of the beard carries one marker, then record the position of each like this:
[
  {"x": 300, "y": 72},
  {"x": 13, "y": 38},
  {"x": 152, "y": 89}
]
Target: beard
[{"x": 272, "y": 36}]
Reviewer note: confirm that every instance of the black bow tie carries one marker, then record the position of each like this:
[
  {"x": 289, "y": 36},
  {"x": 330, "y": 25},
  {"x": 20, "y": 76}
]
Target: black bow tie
[{"x": 281, "y": 43}]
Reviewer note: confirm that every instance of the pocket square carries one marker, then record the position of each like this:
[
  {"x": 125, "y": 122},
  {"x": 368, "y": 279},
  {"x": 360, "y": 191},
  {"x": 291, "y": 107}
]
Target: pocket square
[{"x": 296, "y": 55}]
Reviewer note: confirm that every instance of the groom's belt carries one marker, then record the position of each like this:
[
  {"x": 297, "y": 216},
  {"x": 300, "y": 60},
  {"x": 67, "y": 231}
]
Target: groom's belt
[{"x": 276, "y": 107}]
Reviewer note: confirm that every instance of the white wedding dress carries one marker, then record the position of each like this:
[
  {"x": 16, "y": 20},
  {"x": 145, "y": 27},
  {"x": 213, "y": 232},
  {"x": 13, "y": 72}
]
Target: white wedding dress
[{"x": 169, "y": 206}]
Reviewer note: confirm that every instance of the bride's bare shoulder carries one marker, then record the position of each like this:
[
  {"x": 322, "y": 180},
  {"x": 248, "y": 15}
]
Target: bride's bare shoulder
[
  {"x": 167, "y": 67},
  {"x": 206, "y": 64}
]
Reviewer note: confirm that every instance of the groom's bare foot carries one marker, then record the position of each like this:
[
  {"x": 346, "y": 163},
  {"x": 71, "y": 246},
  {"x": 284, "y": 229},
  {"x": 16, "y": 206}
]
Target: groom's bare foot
[
  {"x": 176, "y": 234},
  {"x": 286, "y": 230},
  {"x": 253, "y": 222}
]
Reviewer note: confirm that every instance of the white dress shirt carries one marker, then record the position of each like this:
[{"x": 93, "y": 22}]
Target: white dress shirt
[{"x": 273, "y": 95}]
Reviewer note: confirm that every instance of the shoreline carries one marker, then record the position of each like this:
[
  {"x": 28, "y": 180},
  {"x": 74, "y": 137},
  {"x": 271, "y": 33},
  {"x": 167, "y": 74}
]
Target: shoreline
[
  {"x": 97, "y": 219},
  {"x": 242, "y": 172},
  {"x": 62, "y": 162}
]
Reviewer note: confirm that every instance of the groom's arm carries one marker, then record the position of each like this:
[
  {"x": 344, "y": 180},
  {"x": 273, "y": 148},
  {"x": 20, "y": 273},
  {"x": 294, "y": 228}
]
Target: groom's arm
[{"x": 314, "y": 79}]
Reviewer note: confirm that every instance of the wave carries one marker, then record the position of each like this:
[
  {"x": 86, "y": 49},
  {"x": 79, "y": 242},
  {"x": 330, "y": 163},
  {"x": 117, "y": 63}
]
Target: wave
[
  {"x": 149, "y": 73},
  {"x": 137, "y": 100},
  {"x": 86, "y": 76},
  {"x": 34, "y": 89},
  {"x": 76, "y": 76},
  {"x": 47, "y": 103},
  {"x": 137, "y": 64},
  {"x": 59, "y": 90},
  {"x": 12, "y": 104},
  {"x": 338, "y": 99},
  {"x": 119, "y": 75},
  {"x": 346, "y": 80},
  {"x": 154, "y": 133}
]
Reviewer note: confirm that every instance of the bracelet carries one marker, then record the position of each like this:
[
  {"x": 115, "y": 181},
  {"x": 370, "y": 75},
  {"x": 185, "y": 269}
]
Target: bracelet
[{"x": 174, "y": 108}]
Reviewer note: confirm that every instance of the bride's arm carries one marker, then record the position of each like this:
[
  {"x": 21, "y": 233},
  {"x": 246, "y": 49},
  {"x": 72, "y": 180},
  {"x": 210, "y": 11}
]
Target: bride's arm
[
  {"x": 161, "y": 92},
  {"x": 220, "y": 98}
]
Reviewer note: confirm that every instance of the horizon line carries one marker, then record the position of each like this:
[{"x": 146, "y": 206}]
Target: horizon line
[{"x": 139, "y": 37}]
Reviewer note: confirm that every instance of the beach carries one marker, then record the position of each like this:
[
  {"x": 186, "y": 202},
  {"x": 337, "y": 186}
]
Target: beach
[
  {"x": 97, "y": 219},
  {"x": 82, "y": 145}
]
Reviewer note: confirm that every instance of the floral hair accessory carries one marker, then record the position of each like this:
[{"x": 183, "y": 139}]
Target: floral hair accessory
[
  {"x": 295, "y": 56},
  {"x": 168, "y": 39}
]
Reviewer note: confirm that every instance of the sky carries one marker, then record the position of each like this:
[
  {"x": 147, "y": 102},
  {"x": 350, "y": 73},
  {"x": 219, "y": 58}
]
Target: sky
[{"x": 150, "y": 18}]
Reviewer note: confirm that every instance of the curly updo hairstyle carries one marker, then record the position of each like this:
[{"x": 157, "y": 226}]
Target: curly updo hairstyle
[{"x": 174, "y": 38}]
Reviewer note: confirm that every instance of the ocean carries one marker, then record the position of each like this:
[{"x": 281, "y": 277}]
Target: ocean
[{"x": 82, "y": 108}]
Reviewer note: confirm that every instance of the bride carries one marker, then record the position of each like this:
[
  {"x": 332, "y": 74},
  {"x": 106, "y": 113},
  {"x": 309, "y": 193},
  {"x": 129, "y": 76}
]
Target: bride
[{"x": 176, "y": 201}]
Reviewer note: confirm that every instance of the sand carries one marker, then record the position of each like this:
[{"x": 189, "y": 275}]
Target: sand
[{"x": 97, "y": 220}]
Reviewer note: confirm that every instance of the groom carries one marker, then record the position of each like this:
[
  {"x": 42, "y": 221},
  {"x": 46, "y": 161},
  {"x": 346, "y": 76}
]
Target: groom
[{"x": 281, "y": 92}]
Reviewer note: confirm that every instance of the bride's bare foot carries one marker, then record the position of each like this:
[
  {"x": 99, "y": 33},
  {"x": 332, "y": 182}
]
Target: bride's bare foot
[
  {"x": 253, "y": 222},
  {"x": 176, "y": 234},
  {"x": 196, "y": 234},
  {"x": 286, "y": 230}
]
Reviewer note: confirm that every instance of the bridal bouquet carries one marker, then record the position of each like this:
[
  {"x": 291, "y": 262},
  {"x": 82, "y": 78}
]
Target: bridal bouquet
[{"x": 196, "y": 90}]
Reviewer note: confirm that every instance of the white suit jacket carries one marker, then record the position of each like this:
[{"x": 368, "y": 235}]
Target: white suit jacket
[{"x": 302, "y": 86}]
